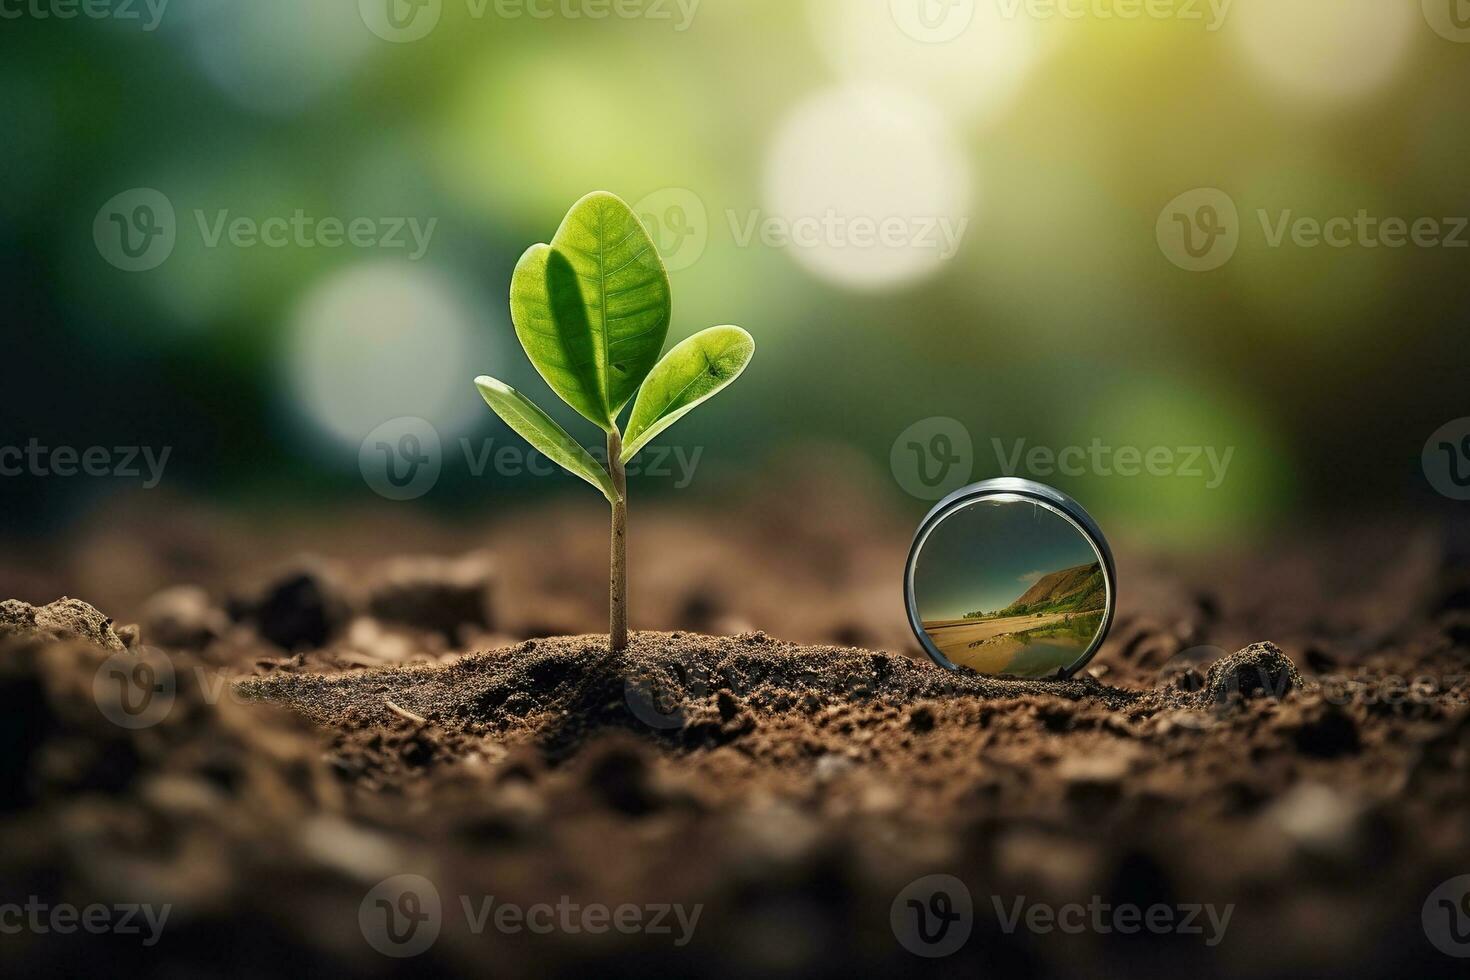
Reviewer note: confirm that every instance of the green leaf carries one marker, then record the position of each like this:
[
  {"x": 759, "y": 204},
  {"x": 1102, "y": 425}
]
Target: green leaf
[
  {"x": 592, "y": 308},
  {"x": 542, "y": 432},
  {"x": 693, "y": 371}
]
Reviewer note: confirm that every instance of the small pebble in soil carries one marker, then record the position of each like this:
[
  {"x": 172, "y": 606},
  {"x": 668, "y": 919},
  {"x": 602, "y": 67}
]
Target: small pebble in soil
[
  {"x": 435, "y": 594},
  {"x": 301, "y": 609},
  {"x": 1260, "y": 670},
  {"x": 183, "y": 617},
  {"x": 921, "y": 719}
]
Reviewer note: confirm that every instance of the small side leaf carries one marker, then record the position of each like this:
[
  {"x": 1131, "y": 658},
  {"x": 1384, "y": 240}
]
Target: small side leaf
[
  {"x": 693, "y": 371},
  {"x": 542, "y": 432}
]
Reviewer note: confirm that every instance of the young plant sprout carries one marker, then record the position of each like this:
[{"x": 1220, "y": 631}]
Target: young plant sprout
[{"x": 592, "y": 312}]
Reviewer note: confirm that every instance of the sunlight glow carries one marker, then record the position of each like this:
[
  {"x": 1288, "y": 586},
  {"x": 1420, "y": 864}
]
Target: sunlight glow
[
  {"x": 868, "y": 187},
  {"x": 971, "y": 58},
  {"x": 378, "y": 341},
  {"x": 1326, "y": 52}
]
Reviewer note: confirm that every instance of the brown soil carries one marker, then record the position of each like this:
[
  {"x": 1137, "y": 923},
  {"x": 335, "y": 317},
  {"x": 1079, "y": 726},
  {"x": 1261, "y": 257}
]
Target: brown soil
[{"x": 791, "y": 792}]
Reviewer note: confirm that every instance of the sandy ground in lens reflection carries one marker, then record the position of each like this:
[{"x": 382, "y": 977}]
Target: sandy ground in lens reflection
[{"x": 954, "y": 636}]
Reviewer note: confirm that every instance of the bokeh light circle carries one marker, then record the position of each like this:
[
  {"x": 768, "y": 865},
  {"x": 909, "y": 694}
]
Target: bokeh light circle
[
  {"x": 276, "y": 57},
  {"x": 378, "y": 341},
  {"x": 1326, "y": 52},
  {"x": 972, "y": 58},
  {"x": 866, "y": 187}
]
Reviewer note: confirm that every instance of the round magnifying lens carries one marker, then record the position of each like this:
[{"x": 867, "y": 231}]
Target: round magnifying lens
[{"x": 1010, "y": 577}]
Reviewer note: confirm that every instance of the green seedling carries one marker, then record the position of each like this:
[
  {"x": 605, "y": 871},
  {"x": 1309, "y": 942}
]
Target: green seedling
[{"x": 592, "y": 312}]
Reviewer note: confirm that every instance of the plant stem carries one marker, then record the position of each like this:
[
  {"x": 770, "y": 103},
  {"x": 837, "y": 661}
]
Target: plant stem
[{"x": 617, "y": 632}]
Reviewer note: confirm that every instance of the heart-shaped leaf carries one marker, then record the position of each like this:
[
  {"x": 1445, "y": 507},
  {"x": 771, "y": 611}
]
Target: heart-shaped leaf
[
  {"x": 689, "y": 374},
  {"x": 541, "y": 431},
  {"x": 592, "y": 308}
]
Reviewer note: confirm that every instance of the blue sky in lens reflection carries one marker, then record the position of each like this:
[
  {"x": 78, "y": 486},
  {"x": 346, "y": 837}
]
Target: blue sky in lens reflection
[{"x": 986, "y": 555}]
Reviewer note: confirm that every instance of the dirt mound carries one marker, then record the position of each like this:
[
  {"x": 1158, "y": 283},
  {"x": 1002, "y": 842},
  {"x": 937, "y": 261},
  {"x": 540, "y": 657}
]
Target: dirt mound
[
  {"x": 791, "y": 796},
  {"x": 676, "y": 687},
  {"x": 1260, "y": 670},
  {"x": 65, "y": 618},
  {"x": 181, "y": 800}
]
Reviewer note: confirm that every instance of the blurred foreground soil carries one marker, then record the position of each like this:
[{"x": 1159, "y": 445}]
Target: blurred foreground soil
[{"x": 312, "y": 738}]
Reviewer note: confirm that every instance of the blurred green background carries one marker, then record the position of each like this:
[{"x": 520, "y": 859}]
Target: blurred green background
[{"x": 1049, "y": 143}]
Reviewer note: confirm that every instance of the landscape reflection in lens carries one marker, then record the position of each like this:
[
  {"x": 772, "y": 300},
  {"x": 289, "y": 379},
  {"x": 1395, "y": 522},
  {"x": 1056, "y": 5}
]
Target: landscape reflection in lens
[{"x": 1007, "y": 585}]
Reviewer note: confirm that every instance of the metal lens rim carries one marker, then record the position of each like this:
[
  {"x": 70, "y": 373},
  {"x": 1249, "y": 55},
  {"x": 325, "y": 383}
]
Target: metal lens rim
[{"x": 1013, "y": 487}]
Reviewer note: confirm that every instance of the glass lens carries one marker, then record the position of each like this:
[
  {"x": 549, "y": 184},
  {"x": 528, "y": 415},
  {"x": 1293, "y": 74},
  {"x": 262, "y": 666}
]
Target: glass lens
[{"x": 1005, "y": 584}]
